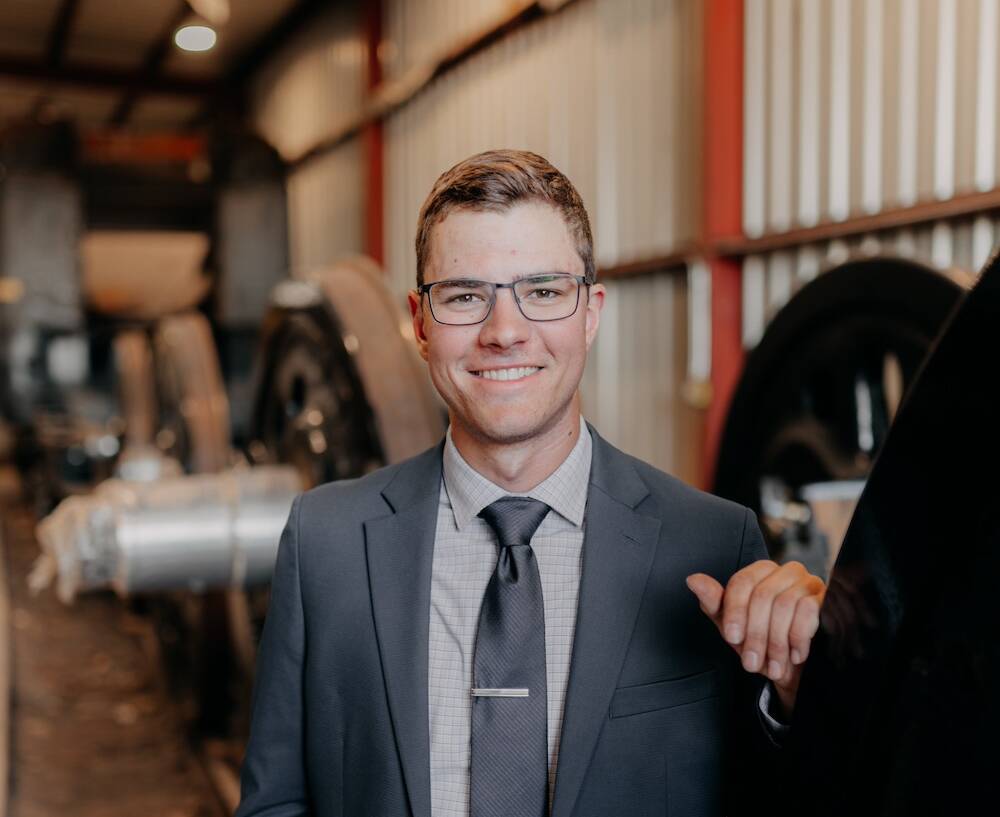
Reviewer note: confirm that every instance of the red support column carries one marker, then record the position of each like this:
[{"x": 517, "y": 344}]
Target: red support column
[
  {"x": 372, "y": 138},
  {"x": 722, "y": 206}
]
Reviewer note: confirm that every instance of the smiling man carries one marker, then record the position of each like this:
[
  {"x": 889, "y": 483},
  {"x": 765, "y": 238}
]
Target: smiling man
[{"x": 523, "y": 620}]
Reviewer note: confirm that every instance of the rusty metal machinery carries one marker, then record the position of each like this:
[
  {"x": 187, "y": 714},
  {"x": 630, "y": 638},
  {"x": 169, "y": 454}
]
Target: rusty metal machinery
[
  {"x": 194, "y": 407},
  {"x": 818, "y": 394},
  {"x": 107, "y": 235},
  {"x": 341, "y": 393},
  {"x": 342, "y": 390}
]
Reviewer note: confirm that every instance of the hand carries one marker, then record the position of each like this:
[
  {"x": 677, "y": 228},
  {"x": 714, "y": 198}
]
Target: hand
[{"x": 768, "y": 614}]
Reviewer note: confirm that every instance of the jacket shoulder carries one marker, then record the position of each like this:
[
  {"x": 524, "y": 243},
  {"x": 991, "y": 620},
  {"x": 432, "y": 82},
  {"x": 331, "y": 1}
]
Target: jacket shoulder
[
  {"x": 670, "y": 489},
  {"x": 719, "y": 535},
  {"x": 358, "y": 497},
  {"x": 347, "y": 495}
]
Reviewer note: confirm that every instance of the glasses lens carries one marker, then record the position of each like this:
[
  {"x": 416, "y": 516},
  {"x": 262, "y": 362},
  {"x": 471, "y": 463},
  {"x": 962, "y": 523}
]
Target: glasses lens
[
  {"x": 547, "y": 297},
  {"x": 459, "y": 302}
]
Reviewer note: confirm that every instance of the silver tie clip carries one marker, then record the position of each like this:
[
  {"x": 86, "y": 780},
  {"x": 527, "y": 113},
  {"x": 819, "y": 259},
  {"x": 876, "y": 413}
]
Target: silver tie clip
[{"x": 492, "y": 692}]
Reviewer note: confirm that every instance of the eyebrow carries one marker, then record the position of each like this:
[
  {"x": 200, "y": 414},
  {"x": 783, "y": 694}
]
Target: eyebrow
[
  {"x": 539, "y": 275},
  {"x": 516, "y": 278}
]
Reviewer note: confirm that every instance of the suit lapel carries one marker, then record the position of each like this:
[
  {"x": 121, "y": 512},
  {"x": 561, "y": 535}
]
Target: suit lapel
[
  {"x": 618, "y": 549},
  {"x": 400, "y": 549}
]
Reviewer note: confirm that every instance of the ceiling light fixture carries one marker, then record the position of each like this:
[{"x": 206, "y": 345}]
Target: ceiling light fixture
[{"x": 194, "y": 38}]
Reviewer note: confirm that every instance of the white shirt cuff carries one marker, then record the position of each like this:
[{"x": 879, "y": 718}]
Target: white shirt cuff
[{"x": 776, "y": 729}]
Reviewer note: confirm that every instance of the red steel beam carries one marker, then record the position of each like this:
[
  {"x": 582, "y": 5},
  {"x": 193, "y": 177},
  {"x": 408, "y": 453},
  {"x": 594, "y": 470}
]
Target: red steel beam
[
  {"x": 373, "y": 141},
  {"x": 722, "y": 207}
]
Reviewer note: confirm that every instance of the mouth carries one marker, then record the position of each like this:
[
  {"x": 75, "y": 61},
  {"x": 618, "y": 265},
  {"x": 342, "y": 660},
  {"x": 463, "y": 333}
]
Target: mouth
[{"x": 508, "y": 374}]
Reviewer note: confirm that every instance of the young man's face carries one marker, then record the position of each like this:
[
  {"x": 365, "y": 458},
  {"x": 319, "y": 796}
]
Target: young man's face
[{"x": 528, "y": 239}]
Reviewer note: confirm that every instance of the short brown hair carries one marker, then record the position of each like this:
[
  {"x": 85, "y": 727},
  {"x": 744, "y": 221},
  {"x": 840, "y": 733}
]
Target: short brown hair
[{"x": 495, "y": 181}]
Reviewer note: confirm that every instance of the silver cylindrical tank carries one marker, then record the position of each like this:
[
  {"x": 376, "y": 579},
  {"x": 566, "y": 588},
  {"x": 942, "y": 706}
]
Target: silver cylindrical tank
[{"x": 189, "y": 532}]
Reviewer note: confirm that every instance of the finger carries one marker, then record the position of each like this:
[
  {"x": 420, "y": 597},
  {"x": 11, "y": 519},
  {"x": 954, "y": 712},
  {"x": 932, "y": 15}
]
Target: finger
[
  {"x": 736, "y": 599},
  {"x": 793, "y": 673},
  {"x": 783, "y": 610},
  {"x": 709, "y": 594},
  {"x": 804, "y": 625},
  {"x": 759, "y": 614}
]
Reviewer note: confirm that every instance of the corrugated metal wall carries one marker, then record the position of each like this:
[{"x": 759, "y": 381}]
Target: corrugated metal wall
[
  {"x": 418, "y": 31},
  {"x": 633, "y": 387},
  {"x": 770, "y": 279},
  {"x": 609, "y": 91},
  {"x": 311, "y": 89},
  {"x": 855, "y": 106},
  {"x": 326, "y": 208}
]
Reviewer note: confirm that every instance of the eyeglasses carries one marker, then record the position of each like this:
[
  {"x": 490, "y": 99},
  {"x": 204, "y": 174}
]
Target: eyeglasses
[{"x": 465, "y": 301}]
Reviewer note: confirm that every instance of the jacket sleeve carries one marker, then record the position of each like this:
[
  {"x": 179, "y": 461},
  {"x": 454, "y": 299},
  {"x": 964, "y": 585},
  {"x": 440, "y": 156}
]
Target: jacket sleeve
[{"x": 273, "y": 778}]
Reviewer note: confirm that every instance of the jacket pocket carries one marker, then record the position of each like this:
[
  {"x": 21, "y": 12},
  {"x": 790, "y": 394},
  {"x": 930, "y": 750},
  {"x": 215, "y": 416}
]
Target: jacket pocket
[{"x": 688, "y": 689}]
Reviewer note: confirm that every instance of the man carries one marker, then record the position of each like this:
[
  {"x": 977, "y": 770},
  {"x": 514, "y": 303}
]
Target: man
[{"x": 500, "y": 626}]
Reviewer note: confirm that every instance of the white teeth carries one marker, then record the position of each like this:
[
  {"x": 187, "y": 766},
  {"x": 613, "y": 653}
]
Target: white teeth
[{"x": 509, "y": 374}]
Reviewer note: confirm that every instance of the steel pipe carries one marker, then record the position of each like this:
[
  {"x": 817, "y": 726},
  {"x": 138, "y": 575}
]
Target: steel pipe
[{"x": 190, "y": 532}]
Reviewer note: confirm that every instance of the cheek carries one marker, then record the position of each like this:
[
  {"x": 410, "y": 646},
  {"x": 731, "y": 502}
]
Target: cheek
[
  {"x": 569, "y": 346},
  {"x": 446, "y": 352}
]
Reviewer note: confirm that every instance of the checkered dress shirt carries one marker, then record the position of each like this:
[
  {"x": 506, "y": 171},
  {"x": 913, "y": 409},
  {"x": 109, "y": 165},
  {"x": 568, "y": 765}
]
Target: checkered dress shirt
[{"x": 465, "y": 555}]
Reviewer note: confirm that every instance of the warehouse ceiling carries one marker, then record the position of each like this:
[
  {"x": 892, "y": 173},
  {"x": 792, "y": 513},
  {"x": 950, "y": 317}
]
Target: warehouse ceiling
[{"x": 113, "y": 63}]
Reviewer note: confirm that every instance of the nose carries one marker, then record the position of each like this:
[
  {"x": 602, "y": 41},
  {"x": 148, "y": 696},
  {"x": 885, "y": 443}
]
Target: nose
[{"x": 505, "y": 325}]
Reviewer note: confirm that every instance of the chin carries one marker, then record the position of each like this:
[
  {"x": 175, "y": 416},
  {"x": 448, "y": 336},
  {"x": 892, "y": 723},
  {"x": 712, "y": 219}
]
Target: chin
[{"x": 508, "y": 429}]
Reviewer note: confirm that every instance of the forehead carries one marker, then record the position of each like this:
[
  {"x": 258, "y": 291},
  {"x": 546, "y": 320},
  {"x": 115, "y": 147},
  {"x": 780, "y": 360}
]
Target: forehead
[{"x": 527, "y": 238}]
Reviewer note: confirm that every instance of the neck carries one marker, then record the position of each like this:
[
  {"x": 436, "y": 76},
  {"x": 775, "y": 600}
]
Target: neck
[{"x": 519, "y": 466}]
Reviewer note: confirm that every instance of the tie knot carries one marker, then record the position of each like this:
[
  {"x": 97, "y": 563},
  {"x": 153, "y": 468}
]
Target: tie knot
[{"x": 514, "y": 519}]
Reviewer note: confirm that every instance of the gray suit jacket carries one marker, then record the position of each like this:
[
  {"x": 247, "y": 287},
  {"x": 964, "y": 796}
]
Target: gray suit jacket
[{"x": 659, "y": 718}]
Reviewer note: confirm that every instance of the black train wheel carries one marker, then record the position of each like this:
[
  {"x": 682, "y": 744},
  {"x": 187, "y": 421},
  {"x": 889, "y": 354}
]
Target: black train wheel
[
  {"x": 341, "y": 390},
  {"x": 818, "y": 393}
]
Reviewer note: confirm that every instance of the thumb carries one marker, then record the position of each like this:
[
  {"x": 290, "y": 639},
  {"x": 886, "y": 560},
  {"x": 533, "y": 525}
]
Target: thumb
[{"x": 709, "y": 593}]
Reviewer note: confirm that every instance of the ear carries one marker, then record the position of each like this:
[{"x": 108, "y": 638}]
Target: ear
[
  {"x": 595, "y": 302},
  {"x": 415, "y": 301}
]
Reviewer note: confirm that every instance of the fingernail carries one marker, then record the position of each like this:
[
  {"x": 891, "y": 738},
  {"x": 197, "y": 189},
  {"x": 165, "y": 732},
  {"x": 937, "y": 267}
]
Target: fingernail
[
  {"x": 796, "y": 657},
  {"x": 734, "y": 634},
  {"x": 773, "y": 670},
  {"x": 751, "y": 661}
]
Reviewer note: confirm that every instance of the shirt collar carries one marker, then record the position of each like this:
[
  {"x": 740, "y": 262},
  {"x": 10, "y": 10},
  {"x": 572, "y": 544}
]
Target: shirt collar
[{"x": 564, "y": 490}]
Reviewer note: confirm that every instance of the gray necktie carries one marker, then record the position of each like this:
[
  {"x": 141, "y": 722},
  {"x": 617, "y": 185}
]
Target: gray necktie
[{"x": 509, "y": 763}]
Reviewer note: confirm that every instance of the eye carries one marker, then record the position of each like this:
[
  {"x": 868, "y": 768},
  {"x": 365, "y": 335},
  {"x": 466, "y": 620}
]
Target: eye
[
  {"x": 464, "y": 298},
  {"x": 543, "y": 294},
  {"x": 545, "y": 289}
]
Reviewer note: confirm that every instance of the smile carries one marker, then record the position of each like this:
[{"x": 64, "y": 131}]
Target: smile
[{"x": 514, "y": 373}]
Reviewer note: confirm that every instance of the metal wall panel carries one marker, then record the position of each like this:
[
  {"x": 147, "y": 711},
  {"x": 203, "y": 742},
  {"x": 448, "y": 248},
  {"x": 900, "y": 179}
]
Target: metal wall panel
[
  {"x": 326, "y": 209},
  {"x": 41, "y": 223},
  {"x": 417, "y": 32},
  {"x": 770, "y": 279},
  {"x": 633, "y": 387},
  {"x": 309, "y": 90},
  {"x": 607, "y": 90},
  {"x": 855, "y": 106},
  {"x": 315, "y": 84}
]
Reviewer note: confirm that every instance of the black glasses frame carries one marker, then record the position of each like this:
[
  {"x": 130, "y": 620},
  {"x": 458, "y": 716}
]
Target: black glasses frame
[{"x": 424, "y": 289}]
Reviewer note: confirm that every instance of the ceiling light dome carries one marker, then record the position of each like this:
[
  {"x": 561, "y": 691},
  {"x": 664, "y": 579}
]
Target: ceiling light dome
[{"x": 194, "y": 38}]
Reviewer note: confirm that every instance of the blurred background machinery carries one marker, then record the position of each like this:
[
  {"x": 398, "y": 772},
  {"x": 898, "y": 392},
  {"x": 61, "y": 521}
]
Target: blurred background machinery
[
  {"x": 818, "y": 394},
  {"x": 206, "y": 222}
]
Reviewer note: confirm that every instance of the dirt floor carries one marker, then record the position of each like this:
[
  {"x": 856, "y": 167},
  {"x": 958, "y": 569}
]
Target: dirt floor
[{"x": 93, "y": 732}]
